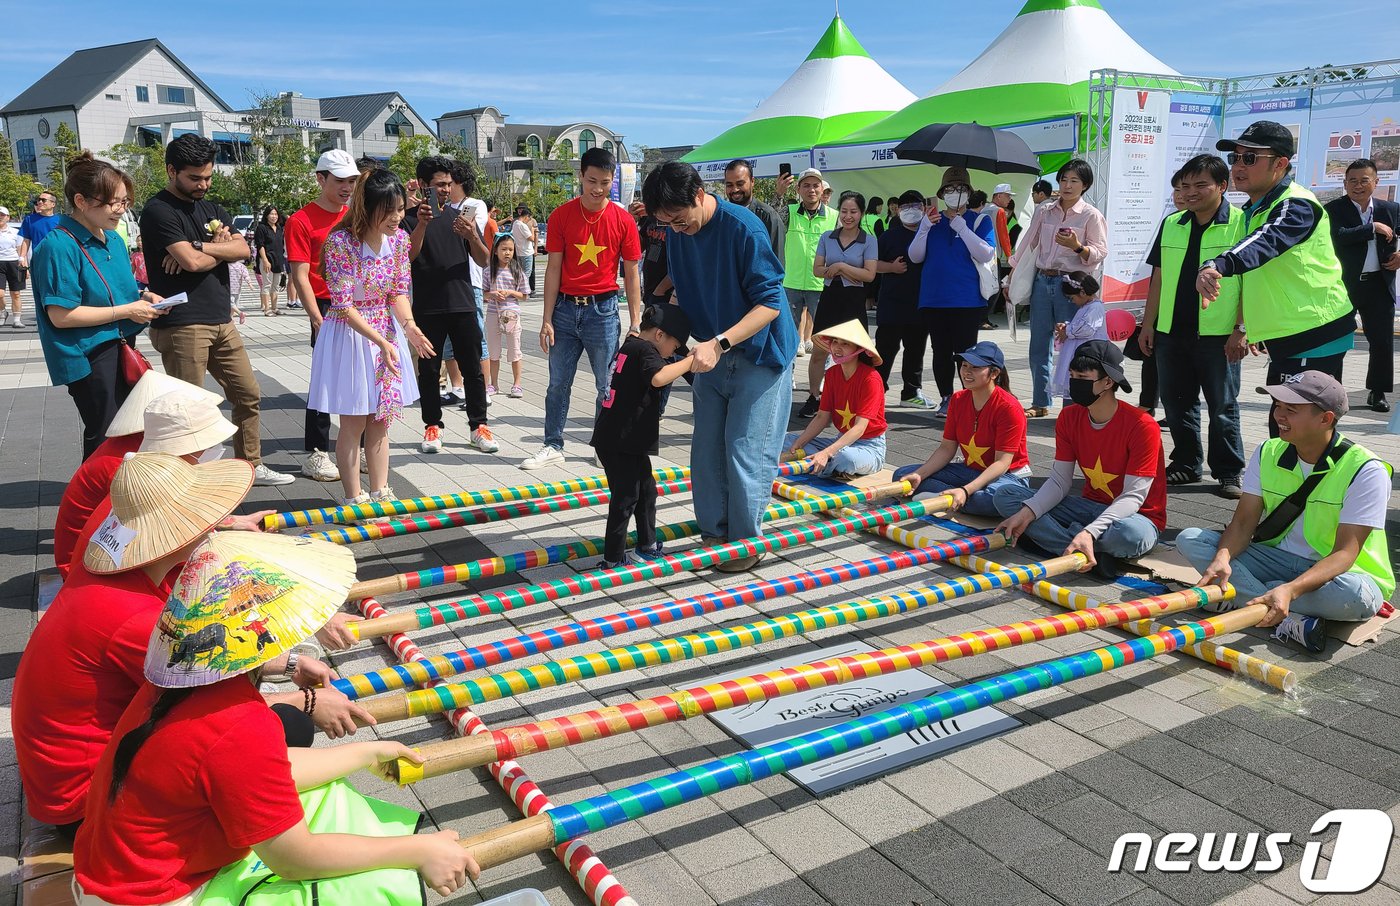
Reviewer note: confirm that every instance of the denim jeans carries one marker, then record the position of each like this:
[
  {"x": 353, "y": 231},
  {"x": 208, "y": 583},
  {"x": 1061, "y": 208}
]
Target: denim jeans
[
  {"x": 1049, "y": 307},
  {"x": 578, "y": 328},
  {"x": 1126, "y": 539},
  {"x": 481, "y": 321},
  {"x": 741, "y": 413},
  {"x": 864, "y": 457},
  {"x": 1187, "y": 369},
  {"x": 1350, "y": 596},
  {"x": 957, "y": 474}
]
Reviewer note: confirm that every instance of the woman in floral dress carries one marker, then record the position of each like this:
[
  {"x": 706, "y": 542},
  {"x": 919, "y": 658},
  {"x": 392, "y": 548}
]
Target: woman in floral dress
[{"x": 369, "y": 336}]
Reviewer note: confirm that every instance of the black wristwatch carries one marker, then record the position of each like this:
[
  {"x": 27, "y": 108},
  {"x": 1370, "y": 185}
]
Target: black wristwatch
[
  {"x": 197, "y": 245},
  {"x": 724, "y": 344}
]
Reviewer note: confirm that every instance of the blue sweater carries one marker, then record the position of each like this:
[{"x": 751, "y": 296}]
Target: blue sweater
[
  {"x": 950, "y": 276},
  {"x": 722, "y": 272}
]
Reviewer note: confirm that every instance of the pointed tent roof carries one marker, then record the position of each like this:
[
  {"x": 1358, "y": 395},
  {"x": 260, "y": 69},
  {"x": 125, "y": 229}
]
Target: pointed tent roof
[
  {"x": 838, "y": 88},
  {"x": 1037, "y": 68}
]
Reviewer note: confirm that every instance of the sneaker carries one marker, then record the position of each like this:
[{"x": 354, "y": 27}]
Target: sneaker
[
  {"x": 918, "y": 401},
  {"x": 483, "y": 441},
  {"x": 801, "y": 350},
  {"x": 364, "y": 464},
  {"x": 263, "y": 476},
  {"x": 320, "y": 467},
  {"x": 383, "y": 495},
  {"x": 18, "y": 322},
  {"x": 1308, "y": 633},
  {"x": 810, "y": 408},
  {"x": 357, "y": 500},
  {"x": 739, "y": 565},
  {"x": 650, "y": 553},
  {"x": 4, "y": 317},
  {"x": 942, "y": 410},
  {"x": 1230, "y": 488},
  {"x": 807, "y": 347},
  {"x": 454, "y": 396},
  {"x": 491, "y": 391},
  {"x": 610, "y": 564},
  {"x": 432, "y": 440},
  {"x": 516, "y": 392},
  {"x": 544, "y": 456}
]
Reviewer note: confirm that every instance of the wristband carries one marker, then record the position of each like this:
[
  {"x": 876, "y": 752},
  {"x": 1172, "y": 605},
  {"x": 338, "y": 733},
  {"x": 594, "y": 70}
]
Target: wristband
[
  {"x": 309, "y": 700},
  {"x": 291, "y": 670}
]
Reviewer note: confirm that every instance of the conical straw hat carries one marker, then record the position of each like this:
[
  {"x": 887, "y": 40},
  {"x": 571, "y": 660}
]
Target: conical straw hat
[
  {"x": 131, "y": 417},
  {"x": 242, "y": 599},
  {"x": 160, "y": 503},
  {"x": 851, "y": 331}
]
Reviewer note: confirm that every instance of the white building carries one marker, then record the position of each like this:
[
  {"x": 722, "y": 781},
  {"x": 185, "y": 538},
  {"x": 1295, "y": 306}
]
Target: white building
[
  {"x": 523, "y": 147},
  {"x": 376, "y": 121}
]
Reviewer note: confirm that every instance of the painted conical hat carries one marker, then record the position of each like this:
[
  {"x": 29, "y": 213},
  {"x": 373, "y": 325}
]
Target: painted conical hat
[
  {"x": 242, "y": 599},
  {"x": 161, "y": 503},
  {"x": 851, "y": 331},
  {"x": 131, "y": 417}
]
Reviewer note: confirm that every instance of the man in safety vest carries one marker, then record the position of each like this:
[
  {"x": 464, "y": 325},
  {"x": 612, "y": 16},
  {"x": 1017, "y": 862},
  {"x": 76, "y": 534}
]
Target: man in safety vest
[
  {"x": 806, "y": 221},
  {"x": 1190, "y": 348},
  {"x": 1308, "y": 536},
  {"x": 1295, "y": 303}
]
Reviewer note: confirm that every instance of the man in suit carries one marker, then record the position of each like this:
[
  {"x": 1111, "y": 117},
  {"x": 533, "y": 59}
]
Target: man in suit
[{"x": 1363, "y": 233}]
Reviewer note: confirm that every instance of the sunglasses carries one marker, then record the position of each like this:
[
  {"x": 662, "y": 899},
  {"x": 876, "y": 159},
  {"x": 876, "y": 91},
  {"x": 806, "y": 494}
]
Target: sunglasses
[{"x": 1248, "y": 158}]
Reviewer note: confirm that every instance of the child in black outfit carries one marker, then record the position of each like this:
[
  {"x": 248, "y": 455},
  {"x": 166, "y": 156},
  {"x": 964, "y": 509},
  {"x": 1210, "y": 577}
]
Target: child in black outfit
[{"x": 629, "y": 426}]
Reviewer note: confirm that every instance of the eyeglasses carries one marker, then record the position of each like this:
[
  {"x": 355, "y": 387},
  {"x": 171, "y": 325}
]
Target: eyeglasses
[
  {"x": 118, "y": 204},
  {"x": 1248, "y": 158}
]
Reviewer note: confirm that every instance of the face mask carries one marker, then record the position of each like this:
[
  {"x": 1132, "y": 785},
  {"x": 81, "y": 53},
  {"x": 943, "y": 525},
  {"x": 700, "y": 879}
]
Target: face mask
[
  {"x": 955, "y": 199},
  {"x": 213, "y": 454},
  {"x": 1081, "y": 391},
  {"x": 843, "y": 359},
  {"x": 911, "y": 216}
]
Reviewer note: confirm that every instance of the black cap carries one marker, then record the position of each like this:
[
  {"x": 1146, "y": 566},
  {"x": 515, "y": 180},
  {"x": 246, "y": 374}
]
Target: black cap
[
  {"x": 1110, "y": 359},
  {"x": 672, "y": 320},
  {"x": 1266, "y": 135}
]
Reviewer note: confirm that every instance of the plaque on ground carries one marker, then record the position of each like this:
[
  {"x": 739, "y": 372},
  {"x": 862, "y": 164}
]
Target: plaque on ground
[{"x": 765, "y": 722}]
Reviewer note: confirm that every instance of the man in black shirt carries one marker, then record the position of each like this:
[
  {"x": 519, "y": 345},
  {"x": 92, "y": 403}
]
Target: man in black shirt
[
  {"x": 738, "y": 188},
  {"x": 1197, "y": 352},
  {"x": 897, "y": 318},
  {"x": 656, "y": 283},
  {"x": 188, "y": 249},
  {"x": 444, "y": 304}
]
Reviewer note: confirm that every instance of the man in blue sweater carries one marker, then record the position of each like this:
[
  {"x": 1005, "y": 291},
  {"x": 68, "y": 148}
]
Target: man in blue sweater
[{"x": 730, "y": 283}]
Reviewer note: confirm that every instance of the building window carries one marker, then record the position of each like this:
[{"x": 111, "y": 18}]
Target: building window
[
  {"x": 24, "y": 152},
  {"x": 489, "y": 148},
  {"x": 608, "y": 147},
  {"x": 398, "y": 125},
  {"x": 566, "y": 150},
  {"x": 143, "y": 94},
  {"x": 532, "y": 146},
  {"x": 587, "y": 141},
  {"x": 170, "y": 94},
  {"x": 113, "y": 97},
  {"x": 462, "y": 134}
]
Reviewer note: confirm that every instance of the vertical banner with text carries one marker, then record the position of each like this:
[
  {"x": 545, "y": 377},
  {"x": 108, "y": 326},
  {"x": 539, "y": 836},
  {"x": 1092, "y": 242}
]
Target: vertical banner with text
[{"x": 1137, "y": 191}]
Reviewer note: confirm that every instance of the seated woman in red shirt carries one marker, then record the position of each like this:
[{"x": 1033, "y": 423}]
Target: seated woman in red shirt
[
  {"x": 853, "y": 398},
  {"x": 197, "y": 778},
  {"x": 987, "y": 426}
]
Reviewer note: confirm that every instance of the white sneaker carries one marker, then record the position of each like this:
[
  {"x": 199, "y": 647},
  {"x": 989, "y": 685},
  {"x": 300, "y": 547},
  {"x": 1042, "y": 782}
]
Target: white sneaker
[
  {"x": 801, "y": 349},
  {"x": 432, "y": 439},
  {"x": 4, "y": 317},
  {"x": 358, "y": 499},
  {"x": 18, "y": 322},
  {"x": 807, "y": 347},
  {"x": 484, "y": 441},
  {"x": 320, "y": 467},
  {"x": 263, "y": 476},
  {"x": 544, "y": 456},
  {"x": 383, "y": 495}
]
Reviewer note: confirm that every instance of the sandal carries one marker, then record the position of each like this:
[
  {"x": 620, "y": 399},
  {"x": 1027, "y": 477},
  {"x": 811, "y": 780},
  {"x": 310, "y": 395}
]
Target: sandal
[
  {"x": 1177, "y": 475},
  {"x": 1037, "y": 411}
]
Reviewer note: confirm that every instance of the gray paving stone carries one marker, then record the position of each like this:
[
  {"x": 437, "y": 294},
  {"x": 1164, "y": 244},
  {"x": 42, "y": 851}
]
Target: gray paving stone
[
  {"x": 763, "y": 879},
  {"x": 957, "y": 870},
  {"x": 1072, "y": 874},
  {"x": 867, "y": 877}
]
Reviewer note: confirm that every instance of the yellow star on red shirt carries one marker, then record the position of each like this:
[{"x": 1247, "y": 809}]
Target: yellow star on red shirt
[
  {"x": 847, "y": 416},
  {"x": 974, "y": 455},
  {"x": 588, "y": 251},
  {"x": 1098, "y": 478}
]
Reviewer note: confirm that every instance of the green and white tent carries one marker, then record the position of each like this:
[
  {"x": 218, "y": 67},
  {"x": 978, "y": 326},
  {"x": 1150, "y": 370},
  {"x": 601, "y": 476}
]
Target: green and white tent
[
  {"x": 837, "y": 89},
  {"x": 1033, "y": 79}
]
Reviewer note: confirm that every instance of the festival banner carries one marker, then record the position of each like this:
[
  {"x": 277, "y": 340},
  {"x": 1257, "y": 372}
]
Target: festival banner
[{"x": 1139, "y": 155}]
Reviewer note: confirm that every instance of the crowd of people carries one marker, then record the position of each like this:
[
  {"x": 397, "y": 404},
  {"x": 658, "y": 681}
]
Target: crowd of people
[{"x": 136, "y": 740}]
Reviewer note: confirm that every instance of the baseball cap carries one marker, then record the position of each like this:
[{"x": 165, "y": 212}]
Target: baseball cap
[
  {"x": 1265, "y": 135},
  {"x": 673, "y": 321},
  {"x": 338, "y": 163},
  {"x": 1109, "y": 358},
  {"x": 810, "y": 171},
  {"x": 4, "y": 210},
  {"x": 984, "y": 353},
  {"x": 1316, "y": 387},
  {"x": 1002, "y": 187}
]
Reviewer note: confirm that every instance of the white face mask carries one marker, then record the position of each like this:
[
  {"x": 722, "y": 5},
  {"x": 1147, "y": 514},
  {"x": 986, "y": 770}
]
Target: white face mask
[
  {"x": 213, "y": 454},
  {"x": 955, "y": 198},
  {"x": 910, "y": 216}
]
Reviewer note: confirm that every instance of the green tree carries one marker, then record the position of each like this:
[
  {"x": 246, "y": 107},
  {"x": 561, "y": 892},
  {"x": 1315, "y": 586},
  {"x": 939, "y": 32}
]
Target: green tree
[
  {"x": 62, "y": 151},
  {"x": 273, "y": 168},
  {"x": 145, "y": 166},
  {"x": 16, "y": 189},
  {"x": 411, "y": 148}
]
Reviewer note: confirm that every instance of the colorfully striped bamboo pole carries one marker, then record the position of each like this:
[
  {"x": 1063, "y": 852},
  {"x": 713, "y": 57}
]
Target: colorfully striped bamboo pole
[
  {"x": 672, "y": 707},
  {"x": 565, "y": 822},
  {"x": 596, "y": 880},
  {"x": 431, "y": 522},
  {"x": 402, "y": 705},
  {"x": 498, "y": 601},
  {"x": 296, "y": 518},
  {"x": 440, "y": 666}
]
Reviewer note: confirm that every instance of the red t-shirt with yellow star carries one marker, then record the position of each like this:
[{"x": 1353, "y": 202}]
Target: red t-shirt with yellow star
[
  {"x": 863, "y": 394},
  {"x": 1130, "y": 444},
  {"x": 591, "y": 245},
  {"x": 1001, "y": 425}
]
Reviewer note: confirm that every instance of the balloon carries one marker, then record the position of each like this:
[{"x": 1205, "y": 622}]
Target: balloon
[{"x": 1121, "y": 324}]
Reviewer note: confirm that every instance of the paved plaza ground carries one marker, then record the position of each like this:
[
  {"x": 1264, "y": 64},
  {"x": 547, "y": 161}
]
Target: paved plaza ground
[{"x": 1027, "y": 817}]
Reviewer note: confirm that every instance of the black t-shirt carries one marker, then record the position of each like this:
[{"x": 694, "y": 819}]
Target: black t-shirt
[
  {"x": 630, "y": 420},
  {"x": 653, "y": 237},
  {"x": 165, "y": 221},
  {"x": 1186, "y": 311},
  {"x": 269, "y": 239},
  {"x": 898, "y": 301},
  {"x": 442, "y": 275}
]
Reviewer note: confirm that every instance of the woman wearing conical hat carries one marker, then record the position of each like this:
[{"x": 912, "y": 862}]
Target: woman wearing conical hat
[{"x": 853, "y": 399}]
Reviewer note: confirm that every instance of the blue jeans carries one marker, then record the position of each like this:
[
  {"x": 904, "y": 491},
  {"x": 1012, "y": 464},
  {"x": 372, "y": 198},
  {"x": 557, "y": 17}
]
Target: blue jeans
[
  {"x": 1127, "y": 539},
  {"x": 1350, "y": 596},
  {"x": 957, "y": 474},
  {"x": 1049, "y": 307},
  {"x": 577, "y": 328},
  {"x": 864, "y": 457},
  {"x": 741, "y": 413},
  {"x": 481, "y": 322},
  {"x": 1187, "y": 369}
]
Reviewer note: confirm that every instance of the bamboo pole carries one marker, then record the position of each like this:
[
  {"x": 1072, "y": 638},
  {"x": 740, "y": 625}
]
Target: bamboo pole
[
  {"x": 673, "y": 707},
  {"x": 596, "y": 813},
  {"x": 445, "y": 612},
  {"x": 402, "y": 705},
  {"x": 439, "y": 666}
]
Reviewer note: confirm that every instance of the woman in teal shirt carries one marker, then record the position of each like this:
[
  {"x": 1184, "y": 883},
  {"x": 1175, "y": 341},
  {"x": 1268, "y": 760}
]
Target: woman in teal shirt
[{"x": 86, "y": 297}]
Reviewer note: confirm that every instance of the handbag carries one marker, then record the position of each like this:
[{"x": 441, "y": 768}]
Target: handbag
[
  {"x": 133, "y": 363},
  {"x": 988, "y": 280}
]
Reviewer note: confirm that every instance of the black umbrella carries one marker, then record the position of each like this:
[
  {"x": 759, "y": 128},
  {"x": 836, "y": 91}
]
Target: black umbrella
[{"x": 970, "y": 145}]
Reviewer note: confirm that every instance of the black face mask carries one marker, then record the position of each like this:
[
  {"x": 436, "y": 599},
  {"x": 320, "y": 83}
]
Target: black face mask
[{"x": 1081, "y": 391}]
